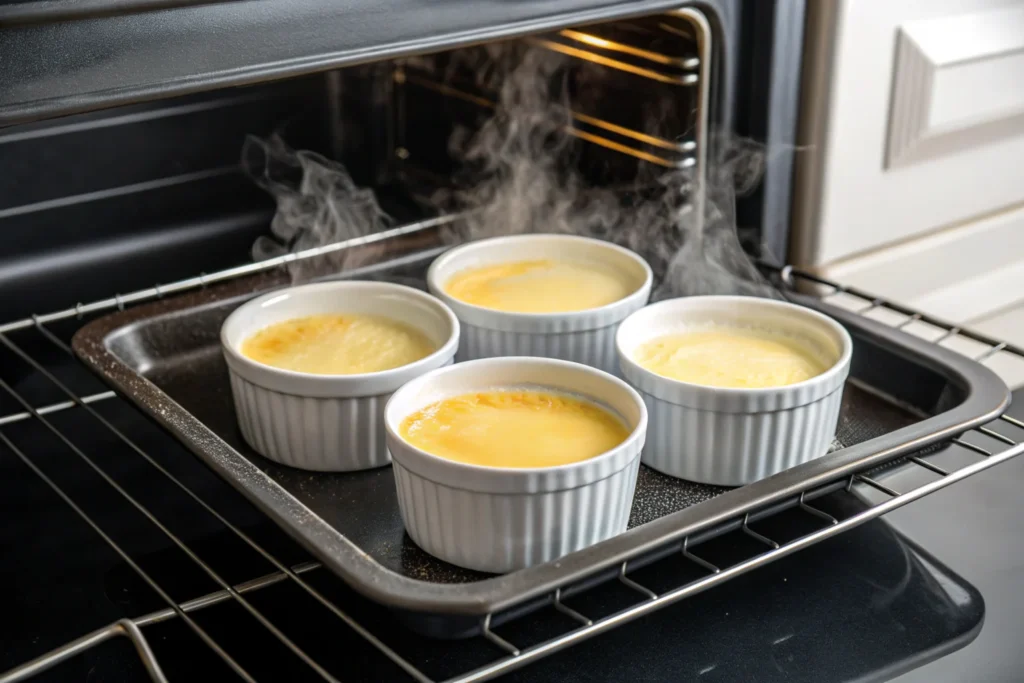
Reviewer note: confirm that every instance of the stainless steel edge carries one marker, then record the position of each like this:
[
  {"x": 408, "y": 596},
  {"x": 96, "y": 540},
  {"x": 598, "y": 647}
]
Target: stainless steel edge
[
  {"x": 325, "y": 39},
  {"x": 823, "y": 17},
  {"x": 783, "y": 108},
  {"x": 705, "y": 48}
]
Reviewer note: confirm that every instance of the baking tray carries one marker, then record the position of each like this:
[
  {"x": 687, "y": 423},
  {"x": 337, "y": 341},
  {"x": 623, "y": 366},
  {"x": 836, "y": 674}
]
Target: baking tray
[{"x": 904, "y": 395}]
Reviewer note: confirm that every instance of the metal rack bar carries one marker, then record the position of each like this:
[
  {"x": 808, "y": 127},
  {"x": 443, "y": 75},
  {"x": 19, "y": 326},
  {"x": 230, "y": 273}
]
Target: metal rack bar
[
  {"x": 121, "y": 300},
  {"x": 227, "y": 590},
  {"x": 67, "y": 651},
  {"x": 217, "y": 597},
  {"x": 266, "y": 623},
  {"x": 820, "y": 514},
  {"x": 791, "y": 276},
  {"x": 991, "y": 352},
  {"x": 875, "y": 485},
  {"x": 595, "y": 48},
  {"x": 692, "y": 71},
  {"x": 498, "y": 640},
  {"x": 996, "y": 435},
  {"x": 756, "y": 536},
  {"x": 630, "y": 583},
  {"x": 122, "y": 627},
  {"x": 870, "y": 307},
  {"x": 57, "y": 407},
  {"x": 971, "y": 447},
  {"x": 402, "y": 76},
  {"x": 1012, "y": 420},
  {"x": 909, "y": 321},
  {"x": 639, "y": 136},
  {"x": 683, "y": 79},
  {"x": 698, "y": 560},
  {"x": 928, "y": 465},
  {"x": 568, "y": 611},
  {"x": 684, "y": 162},
  {"x": 688, "y": 62}
]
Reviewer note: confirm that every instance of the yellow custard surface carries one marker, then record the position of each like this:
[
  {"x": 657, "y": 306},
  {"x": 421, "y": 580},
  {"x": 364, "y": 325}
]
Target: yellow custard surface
[
  {"x": 730, "y": 357},
  {"x": 514, "y": 428},
  {"x": 337, "y": 344},
  {"x": 542, "y": 286}
]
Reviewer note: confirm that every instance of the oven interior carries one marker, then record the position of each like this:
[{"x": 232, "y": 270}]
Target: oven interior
[
  {"x": 159, "y": 186},
  {"x": 155, "y": 193}
]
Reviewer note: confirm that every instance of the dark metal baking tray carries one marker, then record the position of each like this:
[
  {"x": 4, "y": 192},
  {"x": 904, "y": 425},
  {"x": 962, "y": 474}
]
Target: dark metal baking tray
[{"x": 904, "y": 395}]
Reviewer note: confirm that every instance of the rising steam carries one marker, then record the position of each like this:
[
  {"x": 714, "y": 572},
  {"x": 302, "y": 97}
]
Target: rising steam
[
  {"x": 520, "y": 176},
  {"x": 525, "y": 181},
  {"x": 707, "y": 257},
  {"x": 519, "y": 179},
  {"x": 317, "y": 203}
]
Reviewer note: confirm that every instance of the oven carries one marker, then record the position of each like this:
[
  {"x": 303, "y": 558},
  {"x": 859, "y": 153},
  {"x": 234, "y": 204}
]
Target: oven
[{"x": 143, "y": 148}]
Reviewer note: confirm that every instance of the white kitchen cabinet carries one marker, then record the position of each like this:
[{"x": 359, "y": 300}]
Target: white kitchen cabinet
[
  {"x": 913, "y": 122},
  {"x": 910, "y": 176}
]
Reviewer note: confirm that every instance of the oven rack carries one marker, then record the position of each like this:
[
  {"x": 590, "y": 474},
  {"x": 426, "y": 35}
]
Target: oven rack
[
  {"x": 684, "y": 70},
  {"x": 990, "y": 445},
  {"x": 646, "y": 64},
  {"x": 638, "y": 144}
]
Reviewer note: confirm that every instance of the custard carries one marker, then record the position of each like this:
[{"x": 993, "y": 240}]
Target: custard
[
  {"x": 541, "y": 286},
  {"x": 730, "y": 357},
  {"x": 337, "y": 344},
  {"x": 514, "y": 428}
]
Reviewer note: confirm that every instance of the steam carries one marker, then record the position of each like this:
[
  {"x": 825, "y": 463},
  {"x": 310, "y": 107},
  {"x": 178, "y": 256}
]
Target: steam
[
  {"x": 707, "y": 257},
  {"x": 520, "y": 181},
  {"x": 525, "y": 181},
  {"x": 317, "y": 203},
  {"x": 520, "y": 175}
]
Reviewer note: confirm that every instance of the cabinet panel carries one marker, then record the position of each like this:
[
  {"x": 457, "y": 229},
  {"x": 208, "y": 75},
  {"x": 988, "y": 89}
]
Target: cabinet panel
[
  {"x": 957, "y": 82},
  {"x": 913, "y": 121}
]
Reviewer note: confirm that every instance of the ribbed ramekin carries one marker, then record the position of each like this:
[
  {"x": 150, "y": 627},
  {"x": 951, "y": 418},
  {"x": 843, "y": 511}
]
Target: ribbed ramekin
[
  {"x": 730, "y": 436},
  {"x": 497, "y": 519},
  {"x": 586, "y": 336},
  {"x": 329, "y": 423}
]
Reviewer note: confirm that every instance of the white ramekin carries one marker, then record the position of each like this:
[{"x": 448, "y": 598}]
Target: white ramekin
[
  {"x": 729, "y": 436},
  {"x": 586, "y": 337},
  {"x": 328, "y": 423},
  {"x": 496, "y": 519}
]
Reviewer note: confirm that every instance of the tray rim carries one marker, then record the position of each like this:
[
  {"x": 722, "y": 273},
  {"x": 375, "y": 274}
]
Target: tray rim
[{"x": 986, "y": 397}]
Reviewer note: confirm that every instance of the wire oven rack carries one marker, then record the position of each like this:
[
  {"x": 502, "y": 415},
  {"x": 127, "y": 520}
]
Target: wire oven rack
[
  {"x": 689, "y": 67},
  {"x": 991, "y": 444}
]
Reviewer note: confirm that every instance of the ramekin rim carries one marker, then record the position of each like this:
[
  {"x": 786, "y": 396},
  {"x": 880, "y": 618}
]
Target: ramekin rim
[
  {"x": 838, "y": 367},
  {"x": 446, "y": 350},
  {"x": 535, "y": 470},
  {"x": 437, "y": 288},
  {"x": 637, "y": 433}
]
